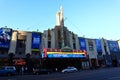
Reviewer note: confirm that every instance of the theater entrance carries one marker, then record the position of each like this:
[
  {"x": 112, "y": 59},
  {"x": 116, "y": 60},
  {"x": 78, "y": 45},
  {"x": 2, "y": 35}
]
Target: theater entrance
[{"x": 61, "y": 63}]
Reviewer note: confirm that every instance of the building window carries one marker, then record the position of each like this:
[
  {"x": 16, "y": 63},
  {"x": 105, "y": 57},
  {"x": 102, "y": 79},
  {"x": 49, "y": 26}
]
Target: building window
[
  {"x": 74, "y": 46},
  {"x": 21, "y": 43},
  {"x": 45, "y": 35},
  {"x": 73, "y": 37},
  {"x": 105, "y": 48},
  {"x": 49, "y": 44},
  {"x": 49, "y": 35},
  {"x": 59, "y": 35},
  {"x": 91, "y": 47},
  {"x": 20, "y": 53},
  {"x": 59, "y": 45}
]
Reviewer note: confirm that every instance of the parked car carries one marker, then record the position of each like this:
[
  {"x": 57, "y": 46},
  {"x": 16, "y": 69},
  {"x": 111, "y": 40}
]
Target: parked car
[
  {"x": 8, "y": 70},
  {"x": 42, "y": 71},
  {"x": 69, "y": 69}
]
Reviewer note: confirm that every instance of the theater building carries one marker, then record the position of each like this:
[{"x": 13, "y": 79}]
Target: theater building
[
  {"x": 62, "y": 45},
  {"x": 56, "y": 48}
]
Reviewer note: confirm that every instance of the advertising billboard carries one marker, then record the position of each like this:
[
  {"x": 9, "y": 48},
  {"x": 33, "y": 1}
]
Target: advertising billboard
[
  {"x": 36, "y": 41},
  {"x": 82, "y": 43},
  {"x": 113, "y": 46},
  {"x": 5, "y": 37},
  {"x": 98, "y": 45}
]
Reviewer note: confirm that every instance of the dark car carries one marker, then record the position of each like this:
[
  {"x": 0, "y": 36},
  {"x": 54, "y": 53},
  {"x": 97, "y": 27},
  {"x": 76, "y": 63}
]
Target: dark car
[
  {"x": 42, "y": 71},
  {"x": 8, "y": 70}
]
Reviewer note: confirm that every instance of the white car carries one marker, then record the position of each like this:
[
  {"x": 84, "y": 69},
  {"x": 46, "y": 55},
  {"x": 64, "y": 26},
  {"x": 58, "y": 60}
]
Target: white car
[{"x": 69, "y": 69}]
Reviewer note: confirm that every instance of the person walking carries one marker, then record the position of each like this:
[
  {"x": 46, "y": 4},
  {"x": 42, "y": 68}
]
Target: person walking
[{"x": 22, "y": 70}]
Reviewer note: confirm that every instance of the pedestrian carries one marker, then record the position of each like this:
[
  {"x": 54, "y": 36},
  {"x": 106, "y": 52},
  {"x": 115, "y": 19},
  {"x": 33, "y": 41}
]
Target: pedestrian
[
  {"x": 26, "y": 70},
  {"x": 56, "y": 69},
  {"x": 22, "y": 70}
]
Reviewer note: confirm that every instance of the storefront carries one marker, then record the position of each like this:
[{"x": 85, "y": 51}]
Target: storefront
[{"x": 4, "y": 62}]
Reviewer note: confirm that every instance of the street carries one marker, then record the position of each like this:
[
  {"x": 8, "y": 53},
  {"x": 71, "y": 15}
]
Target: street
[{"x": 96, "y": 74}]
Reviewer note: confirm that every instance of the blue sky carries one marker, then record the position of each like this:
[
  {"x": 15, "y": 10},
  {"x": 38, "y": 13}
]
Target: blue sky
[{"x": 89, "y": 18}]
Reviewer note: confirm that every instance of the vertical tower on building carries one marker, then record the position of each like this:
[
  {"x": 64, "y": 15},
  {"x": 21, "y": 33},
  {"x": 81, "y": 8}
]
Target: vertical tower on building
[
  {"x": 60, "y": 23},
  {"x": 60, "y": 17},
  {"x": 59, "y": 37}
]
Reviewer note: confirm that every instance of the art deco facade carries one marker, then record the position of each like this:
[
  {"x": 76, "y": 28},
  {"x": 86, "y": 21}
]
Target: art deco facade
[
  {"x": 60, "y": 36},
  {"x": 99, "y": 51}
]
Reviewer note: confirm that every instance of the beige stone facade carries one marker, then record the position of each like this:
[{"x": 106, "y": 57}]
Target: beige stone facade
[{"x": 55, "y": 38}]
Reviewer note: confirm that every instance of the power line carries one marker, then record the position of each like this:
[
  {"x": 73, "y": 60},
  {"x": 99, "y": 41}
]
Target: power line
[{"x": 77, "y": 28}]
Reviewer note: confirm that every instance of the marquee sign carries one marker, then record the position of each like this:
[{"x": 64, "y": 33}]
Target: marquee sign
[{"x": 60, "y": 54}]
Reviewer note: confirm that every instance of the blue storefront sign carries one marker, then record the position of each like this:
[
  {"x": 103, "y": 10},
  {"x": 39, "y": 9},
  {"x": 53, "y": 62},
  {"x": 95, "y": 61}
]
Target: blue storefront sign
[
  {"x": 36, "y": 41},
  {"x": 82, "y": 43},
  {"x": 5, "y": 37},
  {"x": 98, "y": 45},
  {"x": 113, "y": 46}
]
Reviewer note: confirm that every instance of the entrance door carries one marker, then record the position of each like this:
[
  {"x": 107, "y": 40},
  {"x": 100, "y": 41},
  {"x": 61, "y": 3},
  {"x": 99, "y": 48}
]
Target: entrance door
[
  {"x": 93, "y": 63},
  {"x": 114, "y": 63}
]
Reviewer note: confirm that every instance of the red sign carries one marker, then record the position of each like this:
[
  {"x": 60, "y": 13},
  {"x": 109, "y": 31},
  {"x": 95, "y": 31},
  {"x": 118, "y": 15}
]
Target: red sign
[{"x": 19, "y": 62}]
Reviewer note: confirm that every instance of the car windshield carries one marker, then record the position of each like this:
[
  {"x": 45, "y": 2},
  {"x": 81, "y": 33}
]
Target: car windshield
[
  {"x": 71, "y": 67},
  {"x": 10, "y": 68}
]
